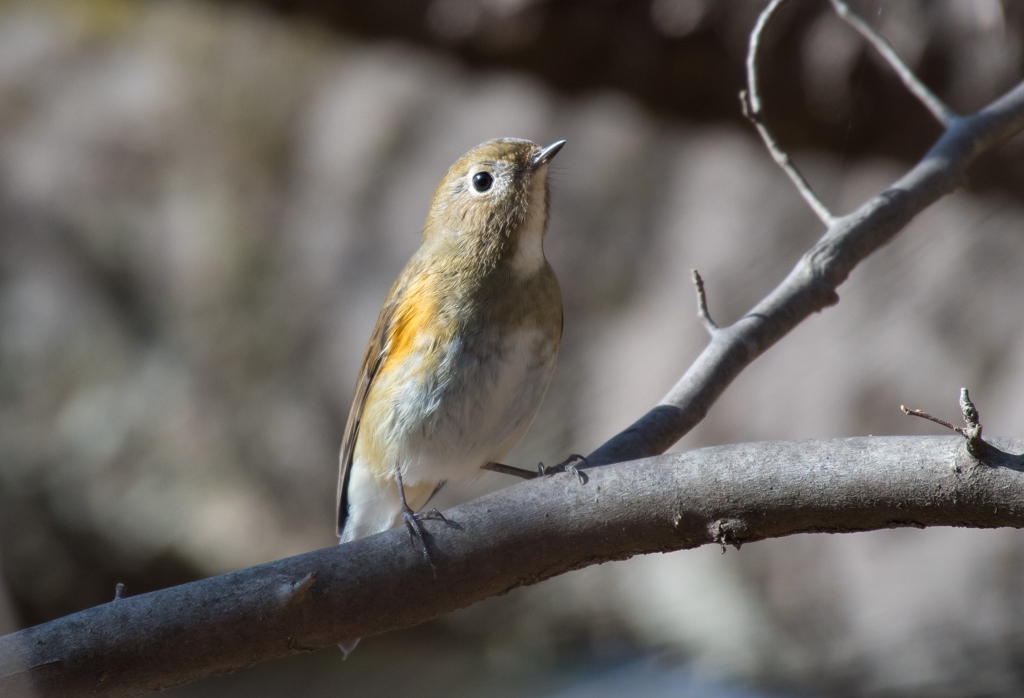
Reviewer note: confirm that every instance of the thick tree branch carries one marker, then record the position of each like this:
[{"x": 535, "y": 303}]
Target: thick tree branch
[
  {"x": 811, "y": 286},
  {"x": 522, "y": 535}
]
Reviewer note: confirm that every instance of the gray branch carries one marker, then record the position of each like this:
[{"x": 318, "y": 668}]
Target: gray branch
[
  {"x": 811, "y": 285},
  {"x": 729, "y": 495}
]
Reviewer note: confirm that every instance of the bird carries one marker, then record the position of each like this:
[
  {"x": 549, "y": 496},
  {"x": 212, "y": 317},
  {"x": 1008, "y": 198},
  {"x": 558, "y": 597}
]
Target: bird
[{"x": 464, "y": 348}]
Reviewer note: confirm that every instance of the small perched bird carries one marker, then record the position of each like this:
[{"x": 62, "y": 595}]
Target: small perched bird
[{"x": 464, "y": 347}]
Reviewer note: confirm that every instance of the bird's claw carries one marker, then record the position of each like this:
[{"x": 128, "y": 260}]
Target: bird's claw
[
  {"x": 432, "y": 514},
  {"x": 417, "y": 533},
  {"x": 567, "y": 466}
]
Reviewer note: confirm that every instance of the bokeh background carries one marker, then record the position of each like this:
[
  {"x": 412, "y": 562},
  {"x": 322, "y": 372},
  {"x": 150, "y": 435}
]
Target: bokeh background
[{"x": 203, "y": 204}]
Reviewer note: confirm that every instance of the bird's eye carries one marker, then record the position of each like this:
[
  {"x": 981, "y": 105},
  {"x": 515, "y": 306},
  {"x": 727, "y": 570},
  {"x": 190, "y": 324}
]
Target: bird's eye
[{"x": 482, "y": 181}]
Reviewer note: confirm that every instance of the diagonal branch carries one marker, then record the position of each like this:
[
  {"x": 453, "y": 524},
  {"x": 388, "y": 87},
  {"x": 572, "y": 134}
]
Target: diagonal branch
[
  {"x": 518, "y": 536},
  {"x": 811, "y": 285},
  {"x": 936, "y": 106},
  {"x": 750, "y": 100}
]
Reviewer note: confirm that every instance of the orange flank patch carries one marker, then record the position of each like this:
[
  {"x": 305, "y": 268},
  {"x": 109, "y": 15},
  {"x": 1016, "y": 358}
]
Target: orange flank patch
[
  {"x": 414, "y": 317},
  {"x": 413, "y": 327}
]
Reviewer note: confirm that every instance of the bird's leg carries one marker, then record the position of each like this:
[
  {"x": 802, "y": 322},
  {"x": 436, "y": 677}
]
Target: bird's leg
[
  {"x": 510, "y": 470},
  {"x": 413, "y": 521},
  {"x": 566, "y": 466}
]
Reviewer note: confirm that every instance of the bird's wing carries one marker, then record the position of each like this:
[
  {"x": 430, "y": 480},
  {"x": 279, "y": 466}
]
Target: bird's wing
[{"x": 376, "y": 352}]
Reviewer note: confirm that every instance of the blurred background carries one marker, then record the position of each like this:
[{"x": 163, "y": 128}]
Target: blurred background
[{"x": 203, "y": 204}]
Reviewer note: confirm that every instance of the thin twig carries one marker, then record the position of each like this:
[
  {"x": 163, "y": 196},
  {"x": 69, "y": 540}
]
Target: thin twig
[
  {"x": 925, "y": 415},
  {"x": 702, "y": 304},
  {"x": 972, "y": 432},
  {"x": 750, "y": 100},
  {"x": 936, "y": 106}
]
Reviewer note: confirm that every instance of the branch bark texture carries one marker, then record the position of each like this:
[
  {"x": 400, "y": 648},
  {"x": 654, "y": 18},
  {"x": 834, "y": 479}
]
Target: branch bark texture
[
  {"x": 811, "y": 285},
  {"x": 522, "y": 535}
]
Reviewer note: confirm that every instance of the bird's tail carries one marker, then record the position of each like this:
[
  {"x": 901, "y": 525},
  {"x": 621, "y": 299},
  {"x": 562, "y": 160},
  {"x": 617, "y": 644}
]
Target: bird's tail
[{"x": 348, "y": 645}]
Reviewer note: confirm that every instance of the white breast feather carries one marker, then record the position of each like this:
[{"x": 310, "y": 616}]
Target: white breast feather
[{"x": 473, "y": 411}]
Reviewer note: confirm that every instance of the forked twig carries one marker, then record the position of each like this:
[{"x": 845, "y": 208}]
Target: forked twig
[
  {"x": 750, "y": 100},
  {"x": 811, "y": 285},
  {"x": 936, "y": 106}
]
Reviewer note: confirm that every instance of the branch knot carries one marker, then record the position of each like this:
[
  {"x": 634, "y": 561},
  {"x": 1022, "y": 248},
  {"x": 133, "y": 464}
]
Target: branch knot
[
  {"x": 728, "y": 532},
  {"x": 297, "y": 592}
]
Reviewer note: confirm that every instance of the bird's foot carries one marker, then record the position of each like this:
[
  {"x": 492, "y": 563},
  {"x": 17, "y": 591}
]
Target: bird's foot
[
  {"x": 432, "y": 515},
  {"x": 417, "y": 533},
  {"x": 566, "y": 466}
]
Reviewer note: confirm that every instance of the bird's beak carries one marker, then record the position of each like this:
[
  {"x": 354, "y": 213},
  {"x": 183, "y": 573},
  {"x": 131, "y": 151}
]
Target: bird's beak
[{"x": 545, "y": 155}]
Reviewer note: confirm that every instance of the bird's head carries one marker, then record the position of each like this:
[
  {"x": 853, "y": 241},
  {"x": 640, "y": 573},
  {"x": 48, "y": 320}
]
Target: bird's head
[{"x": 493, "y": 204}]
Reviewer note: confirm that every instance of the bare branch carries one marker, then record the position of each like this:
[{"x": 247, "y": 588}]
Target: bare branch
[
  {"x": 521, "y": 535},
  {"x": 702, "y": 304},
  {"x": 750, "y": 100},
  {"x": 811, "y": 285},
  {"x": 936, "y": 106}
]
